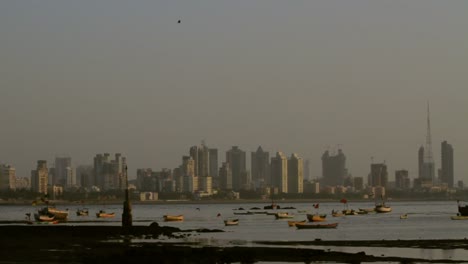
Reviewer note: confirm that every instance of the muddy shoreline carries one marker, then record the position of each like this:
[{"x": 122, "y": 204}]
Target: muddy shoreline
[{"x": 142, "y": 244}]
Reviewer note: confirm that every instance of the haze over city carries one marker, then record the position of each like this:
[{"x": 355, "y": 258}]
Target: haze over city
[{"x": 81, "y": 78}]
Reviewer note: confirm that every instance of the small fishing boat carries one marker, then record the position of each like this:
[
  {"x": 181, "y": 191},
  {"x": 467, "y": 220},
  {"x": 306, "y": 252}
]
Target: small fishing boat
[
  {"x": 173, "y": 218},
  {"x": 283, "y": 215},
  {"x": 404, "y": 216},
  {"x": 60, "y": 215},
  {"x": 232, "y": 222},
  {"x": 44, "y": 217},
  {"x": 349, "y": 212},
  {"x": 459, "y": 217},
  {"x": 294, "y": 223},
  {"x": 103, "y": 214},
  {"x": 82, "y": 212},
  {"x": 316, "y": 217},
  {"x": 369, "y": 210},
  {"x": 316, "y": 226}
]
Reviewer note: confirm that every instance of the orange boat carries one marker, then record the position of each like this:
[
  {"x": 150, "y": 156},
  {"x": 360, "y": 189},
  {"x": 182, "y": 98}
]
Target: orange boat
[
  {"x": 173, "y": 218},
  {"x": 103, "y": 214},
  {"x": 316, "y": 217}
]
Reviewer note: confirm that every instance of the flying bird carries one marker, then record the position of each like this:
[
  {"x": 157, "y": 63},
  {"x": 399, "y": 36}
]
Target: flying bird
[{"x": 178, "y": 21}]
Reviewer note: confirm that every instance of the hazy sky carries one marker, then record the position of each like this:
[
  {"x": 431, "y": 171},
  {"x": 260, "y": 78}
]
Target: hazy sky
[{"x": 79, "y": 78}]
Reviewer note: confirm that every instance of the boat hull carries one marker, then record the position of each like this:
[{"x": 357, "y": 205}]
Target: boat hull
[
  {"x": 173, "y": 218},
  {"x": 316, "y": 226}
]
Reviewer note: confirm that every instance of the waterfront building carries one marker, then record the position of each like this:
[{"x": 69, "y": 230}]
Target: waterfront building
[
  {"x": 378, "y": 175},
  {"x": 334, "y": 168},
  {"x": 214, "y": 167},
  {"x": 109, "y": 174},
  {"x": 63, "y": 172},
  {"x": 307, "y": 170},
  {"x": 236, "y": 159},
  {"x": 402, "y": 180},
  {"x": 447, "y": 173},
  {"x": 279, "y": 172},
  {"x": 202, "y": 157},
  {"x": 358, "y": 183},
  {"x": 295, "y": 174},
  {"x": 40, "y": 177},
  {"x": 84, "y": 176},
  {"x": 311, "y": 187},
  {"x": 7, "y": 177},
  {"x": 23, "y": 183},
  {"x": 260, "y": 167},
  {"x": 225, "y": 176}
]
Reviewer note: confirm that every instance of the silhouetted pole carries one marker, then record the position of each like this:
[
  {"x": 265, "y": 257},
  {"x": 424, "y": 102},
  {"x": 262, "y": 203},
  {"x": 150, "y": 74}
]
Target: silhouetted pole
[{"x": 127, "y": 208}]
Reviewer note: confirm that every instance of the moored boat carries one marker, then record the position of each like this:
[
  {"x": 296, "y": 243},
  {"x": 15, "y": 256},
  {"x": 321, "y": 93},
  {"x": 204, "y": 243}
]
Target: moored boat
[
  {"x": 316, "y": 226},
  {"x": 82, "y": 212},
  {"x": 316, "y": 217},
  {"x": 103, "y": 214},
  {"x": 44, "y": 218},
  {"x": 60, "y": 215},
  {"x": 231, "y": 222},
  {"x": 283, "y": 215},
  {"x": 382, "y": 208},
  {"x": 404, "y": 216},
  {"x": 459, "y": 217},
  {"x": 173, "y": 218},
  {"x": 294, "y": 223}
]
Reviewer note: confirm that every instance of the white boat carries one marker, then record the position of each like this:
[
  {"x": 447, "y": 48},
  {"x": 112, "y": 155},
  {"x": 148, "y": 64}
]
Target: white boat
[
  {"x": 232, "y": 222},
  {"x": 382, "y": 208},
  {"x": 283, "y": 215}
]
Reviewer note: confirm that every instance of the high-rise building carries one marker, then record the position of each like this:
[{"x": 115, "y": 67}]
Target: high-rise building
[
  {"x": 39, "y": 177},
  {"x": 295, "y": 174},
  {"x": 84, "y": 176},
  {"x": 201, "y": 156},
  {"x": 402, "y": 180},
  {"x": 279, "y": 172},
  {"x": 427, "y": 168},
  {"x": 110, "y": 174},
  {"x": 190, "y": 180},
  {"x": 378, "y": 175},
  {"x": 214, "y": 168},
  {"x": 62, "y": 168},
  {"x": 7, "y": 177},
  {"x": 334, "y": 168},
  {"x": 307, "y": 170},
  {"x": 260, "y": 167},
  {"x": 225, "y": 176},
  {"x": 447, "y": 174},
  {"x": 236, "y": 159}
]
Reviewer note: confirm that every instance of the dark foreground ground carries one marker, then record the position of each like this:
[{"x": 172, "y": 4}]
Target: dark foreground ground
[{"x": 113, "y": 244}]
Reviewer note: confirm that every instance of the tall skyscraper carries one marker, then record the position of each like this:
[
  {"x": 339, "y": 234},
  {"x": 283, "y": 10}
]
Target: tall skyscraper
[
  {"x": 447, "y": 175},
  {"x": 201, "y": 156},
  {"x": 110, "y": 174},
  {"x": 260, "y": 167},
  {"x": 7, "y": 177},
  {"x": 63, "y": 172},
  {"x": 214, "y": 168},
  {"x": 427, "y": 169},
  {"x": 333, "y": 168},
  {"x": 307, "y": 170},
  {"x": 225, "y": 176},
  {"x": 279, "y": 172},
  {"x": 378, "y": 175},
  {"x": 295, "y": 174},
  {"x": 402, "y": 181},
  {"x": 40, "y": 177},
  {"x": 236, "y": 159}
]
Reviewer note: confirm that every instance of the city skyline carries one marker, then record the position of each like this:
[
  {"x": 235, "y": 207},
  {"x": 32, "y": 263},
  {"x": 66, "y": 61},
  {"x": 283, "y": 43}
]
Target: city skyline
[{"x": 82, "y": 78}]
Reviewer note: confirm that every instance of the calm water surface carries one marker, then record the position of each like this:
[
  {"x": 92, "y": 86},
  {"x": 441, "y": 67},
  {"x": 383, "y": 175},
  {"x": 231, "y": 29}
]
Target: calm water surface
[{"x": 426, "y": 220}]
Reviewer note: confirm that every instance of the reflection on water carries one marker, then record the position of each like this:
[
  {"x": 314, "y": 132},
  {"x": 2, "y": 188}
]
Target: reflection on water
[{"x": 426, "y": 220}]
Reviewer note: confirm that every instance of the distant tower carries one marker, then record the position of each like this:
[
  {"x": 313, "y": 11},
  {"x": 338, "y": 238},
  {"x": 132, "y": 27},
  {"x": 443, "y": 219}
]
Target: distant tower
[
  {"x": 447, "y": 164},
  {"x": 428, "y": 170}
]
